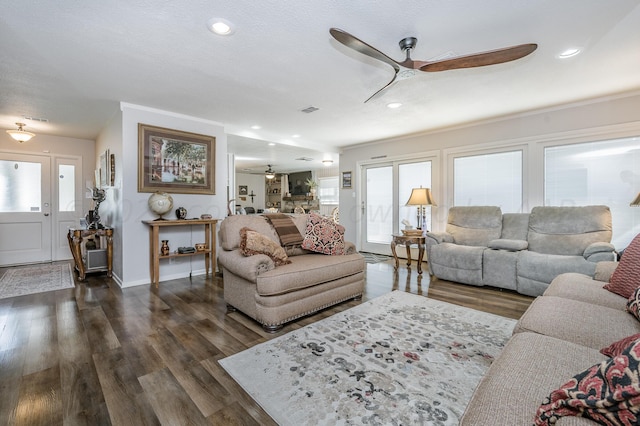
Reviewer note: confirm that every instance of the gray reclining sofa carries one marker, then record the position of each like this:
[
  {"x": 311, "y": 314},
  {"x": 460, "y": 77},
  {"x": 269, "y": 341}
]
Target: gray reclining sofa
[{"x": 519, "y": 251}]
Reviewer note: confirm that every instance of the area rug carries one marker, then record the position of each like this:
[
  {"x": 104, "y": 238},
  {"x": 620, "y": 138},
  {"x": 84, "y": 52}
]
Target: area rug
[
  {"x": 32, "y": 279},
  {"x": 399, "y": 359}
]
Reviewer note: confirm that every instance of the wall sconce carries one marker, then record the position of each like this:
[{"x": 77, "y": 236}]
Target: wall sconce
[{"x": 20, "y": 135}]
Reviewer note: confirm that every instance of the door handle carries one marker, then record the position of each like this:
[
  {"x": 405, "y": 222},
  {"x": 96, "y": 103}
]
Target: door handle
[{"x": 46, "y": 214}]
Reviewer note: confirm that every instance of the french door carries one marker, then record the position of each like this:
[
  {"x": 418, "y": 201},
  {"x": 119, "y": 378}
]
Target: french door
[
  {"x": 40, "y": 199},
  {"x": 387, "y": 187}
]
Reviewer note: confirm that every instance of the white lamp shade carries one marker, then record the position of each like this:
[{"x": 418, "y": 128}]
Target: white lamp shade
[
  {"x": 20, "y": 135},
  {"x": 421, "y": 197}
]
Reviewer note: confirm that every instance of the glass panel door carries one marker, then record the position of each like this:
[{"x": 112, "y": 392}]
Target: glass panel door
[
  {"x": 378, "y": 208},
  {"x": 25, "y": 209}
]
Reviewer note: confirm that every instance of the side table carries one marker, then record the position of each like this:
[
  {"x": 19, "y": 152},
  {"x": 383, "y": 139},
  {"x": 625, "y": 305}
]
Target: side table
[
  {"x": 408, "y": 240},
  {"x": 76, "y": 237}
]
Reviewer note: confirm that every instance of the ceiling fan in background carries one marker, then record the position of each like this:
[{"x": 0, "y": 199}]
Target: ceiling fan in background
[{"x": 407, "y": 68}]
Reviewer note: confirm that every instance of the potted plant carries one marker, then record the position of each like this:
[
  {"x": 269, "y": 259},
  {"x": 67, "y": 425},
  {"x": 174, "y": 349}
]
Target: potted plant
[{"x": 313, "y": 185}]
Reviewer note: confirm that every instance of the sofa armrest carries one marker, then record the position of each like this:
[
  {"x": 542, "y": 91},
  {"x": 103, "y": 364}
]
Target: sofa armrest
[
  {"x": 604, "y": 270},
  {"x": 508, "y": 245},
  {"x": 600, "y": 251},
  {"x": 247, "y": 267},
  {"x": 438, "y": 238}
]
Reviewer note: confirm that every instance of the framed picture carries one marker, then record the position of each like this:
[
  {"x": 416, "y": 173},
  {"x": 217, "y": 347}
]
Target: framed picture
[
  {"x": 243, "y": 190},
  {"x": 104, "y": 170},
  {"x": 175, "y": 161},
  {"x": 346, "y": 180}
]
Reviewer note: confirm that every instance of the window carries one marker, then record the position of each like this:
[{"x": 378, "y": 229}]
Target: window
[
  {"x": 328, "y": 190},
  {"x": 66, "y": 188},
  {"x": 603, "y": 172},
  {"x": 20, "y": 186},
  {"x": 489, "y": 180}
]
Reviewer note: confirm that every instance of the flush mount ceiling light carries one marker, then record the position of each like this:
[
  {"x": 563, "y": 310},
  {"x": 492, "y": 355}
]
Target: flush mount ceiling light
[
  {"x": 20, "y": 135},
  {"x": 569, "y": 53},
  {"x": 327, "y": 162},
  {"x": 394, "y": 105},
  {"x": 220, "y": 26}
]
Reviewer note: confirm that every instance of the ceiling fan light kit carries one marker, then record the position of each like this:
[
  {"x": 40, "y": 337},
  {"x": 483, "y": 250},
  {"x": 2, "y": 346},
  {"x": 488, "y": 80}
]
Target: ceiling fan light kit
[
  {"x": 269, "y": 173},
  {"x": 408, "y": 67}
]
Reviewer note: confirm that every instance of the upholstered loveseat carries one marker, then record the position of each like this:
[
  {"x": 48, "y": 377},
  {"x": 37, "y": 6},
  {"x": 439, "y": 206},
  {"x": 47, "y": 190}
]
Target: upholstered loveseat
[
  {"x": 274, "y": 295},
  {"x": 519, "y": 251},
  {"x": 577, "y": 328}
]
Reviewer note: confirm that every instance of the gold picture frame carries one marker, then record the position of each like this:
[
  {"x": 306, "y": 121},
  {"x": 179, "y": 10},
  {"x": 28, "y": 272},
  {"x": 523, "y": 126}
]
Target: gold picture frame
[{"x": 175, "y": 161}]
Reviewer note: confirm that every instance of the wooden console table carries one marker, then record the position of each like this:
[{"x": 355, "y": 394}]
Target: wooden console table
[
  {"x": 76, "y": 237},
  {"x": 154, "y": 244},
  {"x": 408, "y": 240}
]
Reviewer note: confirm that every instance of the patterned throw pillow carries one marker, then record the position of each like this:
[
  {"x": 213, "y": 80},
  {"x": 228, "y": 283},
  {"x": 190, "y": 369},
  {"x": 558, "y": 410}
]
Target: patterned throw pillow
[
  {"x": 616, "y": 348},
  {"x": 633, "y": 305},
  {"x": 608, "y": 393},
  {"x": 626, "y": 278},
  {"x": 323, "y": 235},
  {"x": 252, "y": 242}
]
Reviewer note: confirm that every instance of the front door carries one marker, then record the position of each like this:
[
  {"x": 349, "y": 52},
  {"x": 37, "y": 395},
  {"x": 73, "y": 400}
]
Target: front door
[{"x": 25, "y": 209}]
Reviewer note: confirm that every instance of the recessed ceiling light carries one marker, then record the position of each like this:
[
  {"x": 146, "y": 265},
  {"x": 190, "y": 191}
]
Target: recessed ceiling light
[
  {"x": 271, "y": 144},
  {"x": 256, "y": 127},
  {"x": 394, "y": 105},
  {"x": 295, "y": 136},
  {"x": 568, "y": 53},
  {"x": 220, "y": 26}
]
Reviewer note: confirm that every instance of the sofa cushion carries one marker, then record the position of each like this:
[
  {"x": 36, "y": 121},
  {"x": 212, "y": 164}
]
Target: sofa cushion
[
  {"x": 306, "y": 271},
  {"x": 568, "y": 230},
  {"x": 573, "y": 321},
  {"x": 252, "y": 242},
  {"x": 616, "y": 348},
  {"x": 509, "y": 245},
  {"x": 608, "y": 393},
  {"x": 230, "y": 227},
  {"x": 515, "y": 226},
  {"x": 453, "y": 262},
  {"x": 528, "y": 368},
  {"x": 323, "y": 235},
  {"x": 581, "y": 287},
  {"x": 626, "y": 278},
  {"x": 474, "y": 226},
  {"x": 633, "y": 303}
]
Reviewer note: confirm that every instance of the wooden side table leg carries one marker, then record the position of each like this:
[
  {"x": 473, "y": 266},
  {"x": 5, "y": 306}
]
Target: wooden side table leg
[
  {"x": 393, "y": 251},
  {"x": 207, "y": 244},
  {"x": 408, "y": 246},
  {"x": 420, "y": 256},
  {"x": 77, "y": 255},
  {"x": 109, "y": 254}
]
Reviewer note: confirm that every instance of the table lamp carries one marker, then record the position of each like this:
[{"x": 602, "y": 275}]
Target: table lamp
[{"x": 421, "y": 197}]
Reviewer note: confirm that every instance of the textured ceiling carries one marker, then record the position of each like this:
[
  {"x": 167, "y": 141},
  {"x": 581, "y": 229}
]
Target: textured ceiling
[{"x": 73, "y": 62}]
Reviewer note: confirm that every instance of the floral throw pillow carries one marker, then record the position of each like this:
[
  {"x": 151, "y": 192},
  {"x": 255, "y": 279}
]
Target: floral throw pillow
[
  {"x": 626, "y": 278},
  {"x": 607, "y": 393},
  {"x": 323, "y": 235},
  {"x": 252, "y": 242},
  {"x": 633, "y": 305},
  {"x": 616, "y": 348}
]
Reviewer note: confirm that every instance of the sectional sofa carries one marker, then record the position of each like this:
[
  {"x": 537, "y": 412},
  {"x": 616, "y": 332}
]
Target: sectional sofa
[
  {"x": 519, "y": 251},
  {"x": 559, "y": 336}
]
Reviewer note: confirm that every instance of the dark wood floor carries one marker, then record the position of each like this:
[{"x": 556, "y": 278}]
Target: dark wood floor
[{"x": 99, "y": 355}]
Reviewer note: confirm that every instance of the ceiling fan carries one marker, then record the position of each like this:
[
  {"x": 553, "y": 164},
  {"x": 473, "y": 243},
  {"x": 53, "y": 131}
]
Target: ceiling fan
[{"x": 407, "y": 68}]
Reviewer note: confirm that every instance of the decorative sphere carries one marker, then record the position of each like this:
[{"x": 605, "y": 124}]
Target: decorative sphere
[{"x": 160, "y": 203}]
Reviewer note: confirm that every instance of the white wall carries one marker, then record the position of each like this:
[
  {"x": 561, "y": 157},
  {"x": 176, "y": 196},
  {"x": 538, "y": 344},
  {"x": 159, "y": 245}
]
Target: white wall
[
  {"x": 589, "y": 120},
  {"x": 135, "y": 234},
  {"x": 255, "y": 183}
]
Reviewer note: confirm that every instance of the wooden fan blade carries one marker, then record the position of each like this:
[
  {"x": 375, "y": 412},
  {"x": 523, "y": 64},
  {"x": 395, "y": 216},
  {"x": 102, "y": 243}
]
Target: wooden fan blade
[
  {"x": 491, "y": 57},
  {"x": 362, "y": 47},
  {"x": 379, "y": 92}
]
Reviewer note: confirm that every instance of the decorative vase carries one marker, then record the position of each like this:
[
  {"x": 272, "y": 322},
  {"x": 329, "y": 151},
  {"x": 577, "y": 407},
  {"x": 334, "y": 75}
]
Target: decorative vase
[
  {"x": 181, "y": 213},
  {"x": 164, "y": 249}
]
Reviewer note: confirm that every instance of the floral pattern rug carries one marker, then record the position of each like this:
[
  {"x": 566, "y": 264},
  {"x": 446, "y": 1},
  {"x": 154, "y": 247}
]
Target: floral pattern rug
[
  {"x": 32, "y": 279},
  {"x": 399, "y": 359}
]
